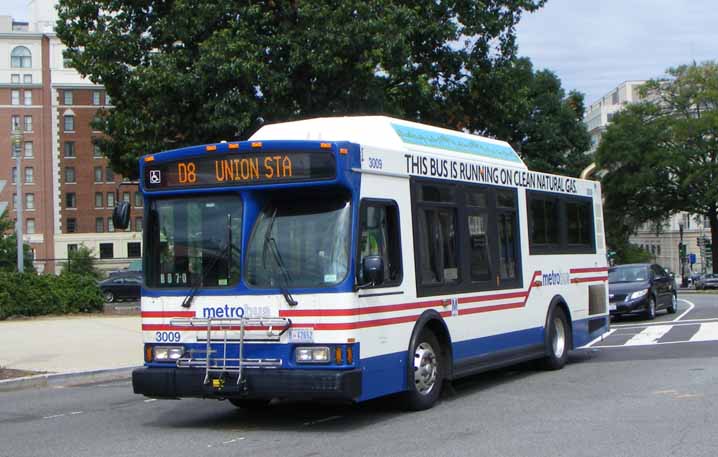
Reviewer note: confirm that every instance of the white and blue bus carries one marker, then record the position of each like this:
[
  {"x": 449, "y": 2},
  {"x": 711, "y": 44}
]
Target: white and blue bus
[{"x": 354, "y": 257}]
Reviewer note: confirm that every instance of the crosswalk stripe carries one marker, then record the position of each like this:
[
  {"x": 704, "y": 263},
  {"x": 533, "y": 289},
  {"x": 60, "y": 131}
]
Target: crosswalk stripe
[
  {"x": 649, "y": 335},
  {"x": 706, "y": 332}
]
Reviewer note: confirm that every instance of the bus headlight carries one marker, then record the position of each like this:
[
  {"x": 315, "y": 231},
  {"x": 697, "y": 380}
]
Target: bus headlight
[
  {"x": 167, "y": 353},
  {"x": 318, "y": 354}
]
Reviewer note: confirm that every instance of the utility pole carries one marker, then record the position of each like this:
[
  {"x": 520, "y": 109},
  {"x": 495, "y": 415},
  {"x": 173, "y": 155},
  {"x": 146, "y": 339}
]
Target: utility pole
[{"x": 17, "y": 137}]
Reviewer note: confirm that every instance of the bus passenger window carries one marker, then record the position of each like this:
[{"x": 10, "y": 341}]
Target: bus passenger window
[
  {"x": 379, "y": 236},
  {"x": 479, "y": 247},
  {"x": 439, "y": 257}
]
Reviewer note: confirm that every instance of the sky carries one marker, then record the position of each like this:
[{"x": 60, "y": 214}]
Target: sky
[{"x": 594, "y": 45}]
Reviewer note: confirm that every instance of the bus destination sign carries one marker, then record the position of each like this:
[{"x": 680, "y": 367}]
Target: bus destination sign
[{"x": 232, "y": 170}]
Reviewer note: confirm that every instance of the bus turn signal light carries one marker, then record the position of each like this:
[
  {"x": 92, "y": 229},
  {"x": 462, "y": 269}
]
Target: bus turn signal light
[
  {"x": 350, "y": 355},
  {"x": 211, "y": 147},
  {"x": 325, "y": 145},
  {"x": 256, "y": 144},
  {"x": 338, "y": 355}
]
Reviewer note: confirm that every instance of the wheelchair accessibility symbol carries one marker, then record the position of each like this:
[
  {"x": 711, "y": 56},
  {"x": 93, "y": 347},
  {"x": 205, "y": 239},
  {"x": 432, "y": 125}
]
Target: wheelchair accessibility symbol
[{"x": 155, "y": 177}]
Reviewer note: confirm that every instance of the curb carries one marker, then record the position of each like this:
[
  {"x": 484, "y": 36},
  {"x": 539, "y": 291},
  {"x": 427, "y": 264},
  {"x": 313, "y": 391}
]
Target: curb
[{"x": 66, "y": 379}]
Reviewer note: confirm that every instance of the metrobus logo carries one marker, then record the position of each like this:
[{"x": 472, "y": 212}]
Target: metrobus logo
[
  {"x": 228, "y": 311},
  {"x": 555, "y": 278}
]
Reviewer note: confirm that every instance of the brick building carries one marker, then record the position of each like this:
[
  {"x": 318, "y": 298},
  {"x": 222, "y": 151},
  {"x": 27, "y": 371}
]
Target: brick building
[{"x": 68, "y": 188}]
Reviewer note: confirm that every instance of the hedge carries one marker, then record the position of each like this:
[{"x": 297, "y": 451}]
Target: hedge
[{"x": 30, "y": 294}]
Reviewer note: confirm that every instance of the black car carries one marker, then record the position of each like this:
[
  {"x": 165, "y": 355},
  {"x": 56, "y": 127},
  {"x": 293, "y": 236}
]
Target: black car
[
  {"x": 641, "y": 288},
  {"x": 121, "y": 287},
  {"x": 708, "y": 281}
]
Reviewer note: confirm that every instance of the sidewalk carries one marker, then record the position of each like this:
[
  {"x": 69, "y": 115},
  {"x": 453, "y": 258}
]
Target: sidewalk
[{"x": 71, "y": 344}]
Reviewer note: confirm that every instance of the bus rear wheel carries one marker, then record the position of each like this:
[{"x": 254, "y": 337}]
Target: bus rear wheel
[
  {"x": 558, "y": 335},
  {"x": 426, "y": 372}
]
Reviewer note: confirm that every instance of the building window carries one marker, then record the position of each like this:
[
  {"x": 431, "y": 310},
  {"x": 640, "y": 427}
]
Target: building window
[
  {"x": 21, "y": 57},
  {"x": 71, "y": 226},
  {"x": 28, "y": 123},
  {"x": 69, "y": 175},
  {"x": 96, "y": 97},
  {"x": 28, "y": 150},
  {"x": 98, "y": 174},
  {"x": 96, "y": 152},
  {"x": 70, "y": 200},
  {"x": 67, "y": 97},
  {"x": 69, "y": 149},
  {"x": 134, "y": 249},
  {"x": 138, "y": 224},
  {"x": 71, "y": 248},
  {"x": 110, "y": 225},
  {"x": 27, "y": 79},
  {"x": 15, "y": 78},
  {"x": 15, "y": 97},
  {"x": 109, "y": 175},
  {"x": 28, "y": 97},
  {"x": 14, "y": 175},
  {"x": 138, "y": 200},
  {"x": 29, "y": 175},
  {"x": 107, "y": 99},
  {"x": 98, "y": 200},
  {"x": 30, "y": 226},
  {"x": 14, "y": 200},
  {"x": 30, "y": 201},
  {"x": 69, "y": 123},
  {"x": 126, "y": 197},
  {"x": 107, "y": 250},
  {"x": 99, "y": 224},
  {"x": 14, "y": 122},
  {"x": 110, "y": 199}
]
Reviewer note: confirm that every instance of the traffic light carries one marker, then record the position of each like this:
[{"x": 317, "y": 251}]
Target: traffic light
[{"x": 681, "y": 250}]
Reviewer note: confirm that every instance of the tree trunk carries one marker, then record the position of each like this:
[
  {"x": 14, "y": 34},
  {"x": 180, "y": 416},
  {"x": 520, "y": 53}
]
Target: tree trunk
[{"x": 713, "y": 220}]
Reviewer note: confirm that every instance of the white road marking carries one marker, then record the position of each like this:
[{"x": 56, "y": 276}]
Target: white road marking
[
  {"x": 600, "y": 338},
  {"x": 53, "y": 416},
  {"x": 674, "y": 323},
  {"x": 691, "y": 304},
  {"x": 649, "y": 335},
  {"x": 75, "y": 413},
  {"x": 150, "y": 400},
  {"x": 706, "y": 332}
]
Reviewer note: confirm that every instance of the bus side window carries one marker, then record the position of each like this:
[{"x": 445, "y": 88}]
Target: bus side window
[{"x": 380, "y": 236}]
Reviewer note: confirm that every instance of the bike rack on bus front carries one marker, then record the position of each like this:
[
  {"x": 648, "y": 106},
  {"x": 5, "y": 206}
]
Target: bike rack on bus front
[{"x": 272, "y": 327}]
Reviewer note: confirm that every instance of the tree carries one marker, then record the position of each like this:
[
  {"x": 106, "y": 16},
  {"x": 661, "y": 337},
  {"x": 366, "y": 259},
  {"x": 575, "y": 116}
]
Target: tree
[
  {"x": 531, "y": 111},
  {"x": 82, "y": 262},
  {"x": 661, "y": 156},
  {"x": 183, "y": 72},
  {"x": 8, "y": 247}
]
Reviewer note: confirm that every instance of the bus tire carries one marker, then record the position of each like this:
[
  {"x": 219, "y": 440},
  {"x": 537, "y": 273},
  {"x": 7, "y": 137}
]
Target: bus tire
[
  {"x": 427, "y": 376},
  {"x": 249, "y": 403},
  {"x": 558, "y": 335}
]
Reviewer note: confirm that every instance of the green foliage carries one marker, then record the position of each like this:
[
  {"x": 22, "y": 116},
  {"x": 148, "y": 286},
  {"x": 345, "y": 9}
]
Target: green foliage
[
  {"x": 661, "y": 156},
  {"x": 30, "y": 294},
  {"x": 8, "y": 247},
  {"x": 630, "y": 253},
  {"x": 193, "y": 72},
  {"x": 81, "y": 262}
]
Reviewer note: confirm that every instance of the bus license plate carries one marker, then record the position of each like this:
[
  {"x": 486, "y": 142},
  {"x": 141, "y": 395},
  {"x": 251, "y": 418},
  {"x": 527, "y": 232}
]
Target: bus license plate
[{"x": 301, "y": 335}]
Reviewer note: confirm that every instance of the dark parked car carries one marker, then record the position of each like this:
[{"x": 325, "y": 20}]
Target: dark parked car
[
  {"x": 709, "y": 281},
  {"x": 121, "y": 287},
  {"x": 641, "y": 288}
]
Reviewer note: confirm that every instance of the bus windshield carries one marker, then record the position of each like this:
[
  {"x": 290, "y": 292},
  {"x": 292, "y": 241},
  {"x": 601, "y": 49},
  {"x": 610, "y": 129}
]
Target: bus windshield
[
  {"x": 302, "y": 241},
  {"x": 193, "y": 241}
]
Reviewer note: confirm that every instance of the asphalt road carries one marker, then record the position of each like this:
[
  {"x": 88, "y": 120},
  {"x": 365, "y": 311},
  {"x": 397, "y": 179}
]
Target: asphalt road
[{"x": 613, "y": 399}]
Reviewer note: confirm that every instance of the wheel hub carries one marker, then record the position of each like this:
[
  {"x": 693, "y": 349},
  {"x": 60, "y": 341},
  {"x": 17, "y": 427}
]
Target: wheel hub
[
  {"x": 559, "y": 337},
  {"x": 425, "y": 368}
]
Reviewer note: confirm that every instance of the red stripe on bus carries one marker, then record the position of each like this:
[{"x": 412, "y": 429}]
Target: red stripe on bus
[
  {"x": 486, "y": 309},
  {"x": 588, "y": 270},
  {"x": 595, "y": 278},
  {"x": 167, "y": 314}
]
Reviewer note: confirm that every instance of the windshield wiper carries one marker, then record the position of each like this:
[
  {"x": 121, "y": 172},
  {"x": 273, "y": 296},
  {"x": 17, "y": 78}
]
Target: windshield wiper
[
  {"x": 224, "y": 253},
  {"x": 272, "y": 243}
]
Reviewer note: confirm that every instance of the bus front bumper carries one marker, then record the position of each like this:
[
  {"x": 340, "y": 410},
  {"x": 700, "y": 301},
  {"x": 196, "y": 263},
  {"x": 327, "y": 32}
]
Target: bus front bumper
[{"x": 172, "y": 382}]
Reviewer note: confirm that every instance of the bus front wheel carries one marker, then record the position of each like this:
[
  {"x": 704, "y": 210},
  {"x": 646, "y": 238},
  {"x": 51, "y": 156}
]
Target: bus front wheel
[
  {"x": 558, "y": 335},
  {"x": 426, "y": 372}
]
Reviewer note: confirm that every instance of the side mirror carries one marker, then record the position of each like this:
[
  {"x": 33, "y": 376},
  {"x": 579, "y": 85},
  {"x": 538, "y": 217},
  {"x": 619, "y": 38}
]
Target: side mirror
[
  {"x": 121, "y": 215},
  {"x": 373, "y": 269}
]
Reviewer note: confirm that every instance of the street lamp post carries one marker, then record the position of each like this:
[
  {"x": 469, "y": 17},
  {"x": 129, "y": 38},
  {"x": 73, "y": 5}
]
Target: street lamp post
[{"x": 17, "y": 137}]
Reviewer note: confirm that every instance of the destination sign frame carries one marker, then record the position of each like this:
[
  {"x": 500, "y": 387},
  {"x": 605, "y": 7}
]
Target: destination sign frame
[{"x": 240, "y": 170}]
